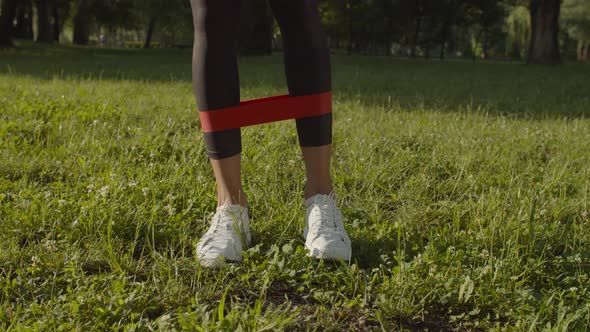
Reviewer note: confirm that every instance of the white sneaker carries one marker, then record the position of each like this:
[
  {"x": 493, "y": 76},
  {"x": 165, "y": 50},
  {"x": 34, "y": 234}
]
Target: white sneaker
[
  {"x": 227, "y": 237},
  {"x": 324, "y": 232}
]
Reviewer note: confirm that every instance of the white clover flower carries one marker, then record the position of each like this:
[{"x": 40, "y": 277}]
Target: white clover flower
[
  {"x": 145, "y": 191},
  {"x": 485, "y": 253},
  {"x": 50, "y": 245},
  {"x": 170, "y": 210},
  {"x": 35, "y": 260},
  {"x": 104, "y": 191}
]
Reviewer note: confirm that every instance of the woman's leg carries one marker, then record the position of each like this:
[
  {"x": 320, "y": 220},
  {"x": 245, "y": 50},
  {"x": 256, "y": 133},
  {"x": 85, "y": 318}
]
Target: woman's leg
[
  {"x": 216, "y": 82},
  {"x": 307, "y": 66},
  {"x": 216, "y": 85},
  {"x": 317, "y": 169}
]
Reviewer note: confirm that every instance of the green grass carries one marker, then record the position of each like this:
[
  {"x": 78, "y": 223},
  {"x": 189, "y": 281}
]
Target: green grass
[{"x": 465, "y": 188}]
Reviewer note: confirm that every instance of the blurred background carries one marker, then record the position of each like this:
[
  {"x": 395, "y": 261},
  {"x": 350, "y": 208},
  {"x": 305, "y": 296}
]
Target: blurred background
[{"x": 547, "y": 31}]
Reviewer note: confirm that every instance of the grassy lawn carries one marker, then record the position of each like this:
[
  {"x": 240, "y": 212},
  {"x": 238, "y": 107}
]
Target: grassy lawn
[{"x": 465, "y": 189}]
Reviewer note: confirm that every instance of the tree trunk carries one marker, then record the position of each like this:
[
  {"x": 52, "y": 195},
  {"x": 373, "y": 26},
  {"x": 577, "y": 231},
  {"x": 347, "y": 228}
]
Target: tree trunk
[
  {"x": 56, "y": 22},
  {"x": 44, "y": 34},
  {"x": 150, "y": 32},
  {"x": 350, "y": 27},
  {"x": 81, "y": 23},
  {"x": 484, "y": 45},
  {"x": 416, "y": 36},
  {"x": 6, "y": 22},
  {"x": 445, "y": 34},
  {"x": 255, "y": 28},
  {"x": 544, "y": 46},
  {"x": 24, "y": 20},
  {"x": 586, "y": 53},
  {"x": 582, "y": 50},
  {"x": 390, "y": 30}
]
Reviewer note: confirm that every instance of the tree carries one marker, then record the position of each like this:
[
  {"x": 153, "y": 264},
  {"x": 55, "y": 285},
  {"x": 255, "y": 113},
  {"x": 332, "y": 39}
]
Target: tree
[
  {"x": 150, "y": 31},
  {"x": 81, "y": 22},
  {"x": 44, "y": 31},
  {"x": 544, "y": 46},
  {"x": 24, "y": 20},
  {"x": 450, "y": 11},
  {"x": 418, "y": 14},
  {"x": 151, "y": 12},
  {"x": 337, "y": 22},
  {"x": 518, "y": 24},
  {"x": 576, "y": 21},
  {"x": 59, "y": 13},
  {"x": 486, "y": 19},
  {"x": 175, "y": 25},
  {"x": 6, "y": 21}
]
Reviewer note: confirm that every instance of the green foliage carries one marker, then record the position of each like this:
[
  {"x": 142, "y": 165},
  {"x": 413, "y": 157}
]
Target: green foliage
[
  {"x": 424, "y": 23},
  {"x": 428, "y": 28},
  {"x": 575, "y": 17},
  {"x": 464, "y": 188},
  {"x": 519, "y": 31},
  {"x": 172, "y": 18}
]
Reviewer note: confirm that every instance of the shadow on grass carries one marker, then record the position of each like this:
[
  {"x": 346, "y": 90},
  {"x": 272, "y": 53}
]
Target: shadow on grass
[
  {"x": 369, "y": 252},
  {"x": 374, "y": 83},
  {"x": 64, "y": 62}
]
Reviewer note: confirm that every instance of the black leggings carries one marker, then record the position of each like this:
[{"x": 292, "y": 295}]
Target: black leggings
[{"x": 215, "y": 69}]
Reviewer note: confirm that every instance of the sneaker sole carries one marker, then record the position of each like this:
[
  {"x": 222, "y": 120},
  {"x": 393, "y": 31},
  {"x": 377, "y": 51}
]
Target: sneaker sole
[
  {"x": 217, "y": 263},
  {"x": 319, "y": 254}
]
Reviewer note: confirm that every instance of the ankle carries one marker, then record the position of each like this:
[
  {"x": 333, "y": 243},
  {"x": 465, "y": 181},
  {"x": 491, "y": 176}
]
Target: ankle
[
  {"x": 227, "y": 197},
  {"x": 312, "y": 190}
]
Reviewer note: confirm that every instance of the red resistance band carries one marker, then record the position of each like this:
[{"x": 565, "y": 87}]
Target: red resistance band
[{"x": 271, "y": 109}]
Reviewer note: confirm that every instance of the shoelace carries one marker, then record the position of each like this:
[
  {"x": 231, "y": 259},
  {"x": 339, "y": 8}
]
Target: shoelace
[
  {"x": 218, "y": 226},
  {"x": 325, "y": 219}
]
